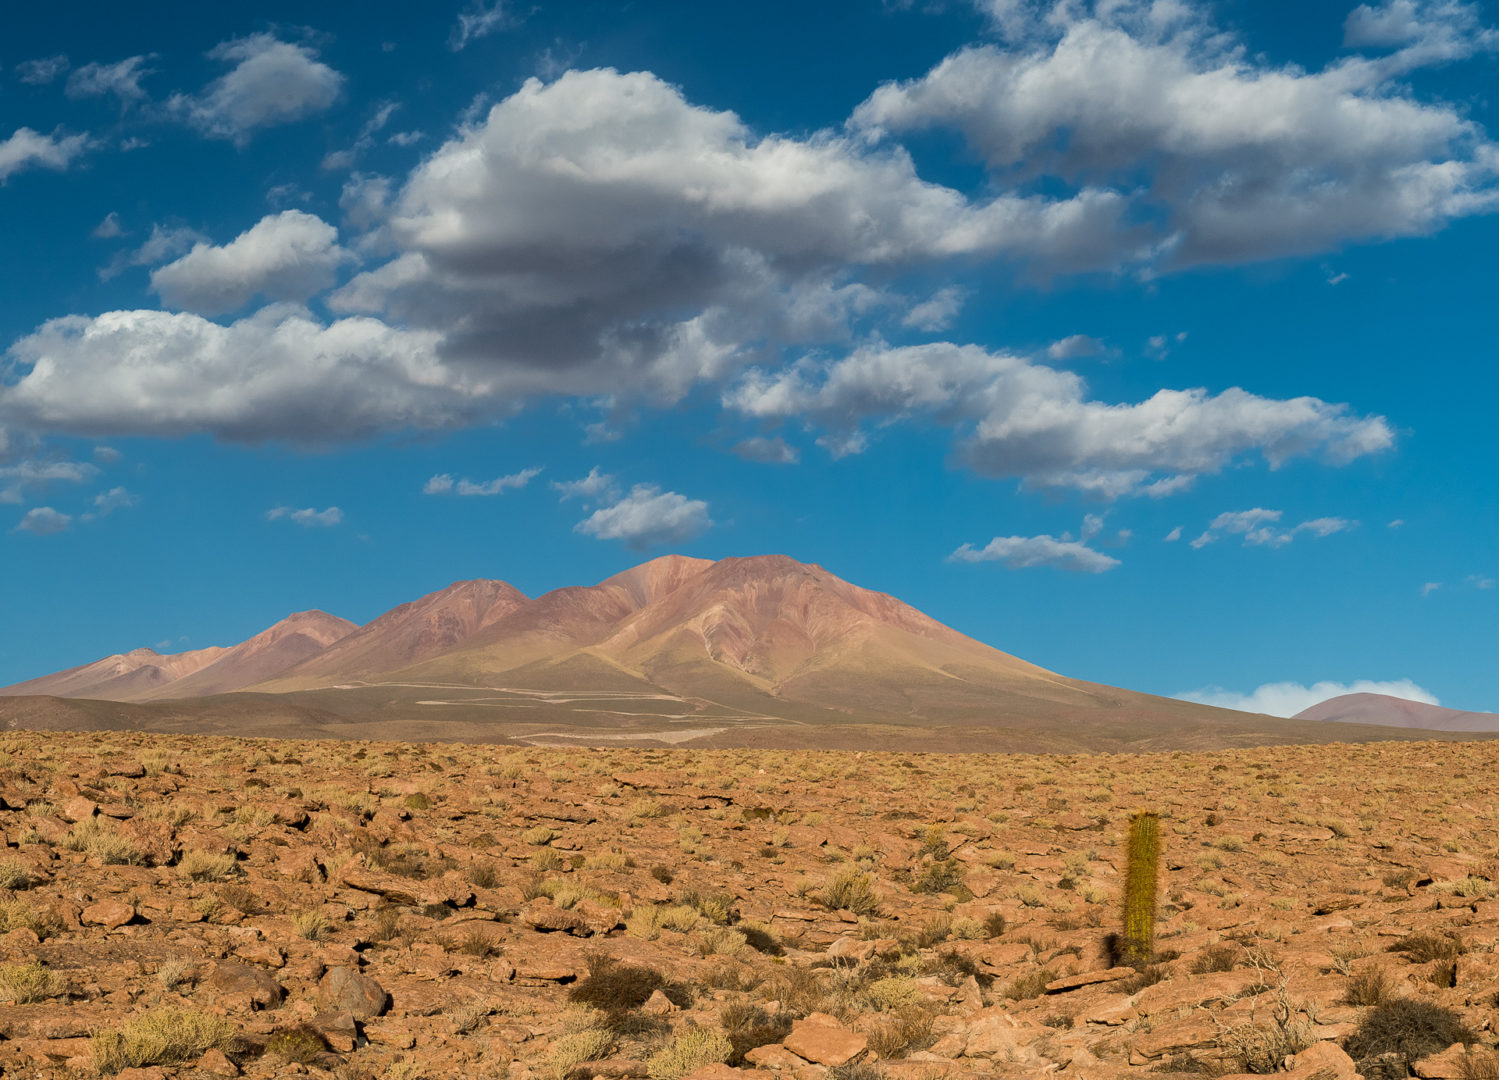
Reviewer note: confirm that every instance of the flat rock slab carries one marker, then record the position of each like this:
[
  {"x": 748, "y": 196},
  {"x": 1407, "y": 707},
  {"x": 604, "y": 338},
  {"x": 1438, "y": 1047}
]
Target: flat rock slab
[
  {"x": 823, "y": 1043},
  {"x": 1088, "y": 978}
]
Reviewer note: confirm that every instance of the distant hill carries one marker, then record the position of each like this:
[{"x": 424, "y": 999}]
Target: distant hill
[
  {"x": 146, "y": 675},
  {"x": 1390, "y": 711}
]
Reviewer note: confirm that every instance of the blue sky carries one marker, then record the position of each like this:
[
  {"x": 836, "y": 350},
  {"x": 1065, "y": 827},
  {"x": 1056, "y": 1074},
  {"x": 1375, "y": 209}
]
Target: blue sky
[{"x": 1146, "y": 341}]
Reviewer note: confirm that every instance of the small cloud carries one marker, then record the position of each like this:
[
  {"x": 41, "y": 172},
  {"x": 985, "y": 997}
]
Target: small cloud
[
  {"x": 114, "y": 499},
  {"x": 444, "y": 484},
  {"x": 596, "y": 485},
  {"x": 1022, "y": 552},
  {"x": 1289, "y": 698},
  {"x": 1160, "y": 344},
  {"x": 1174, "y": 535},
  {"x": 272, "y": 82},
  {"x": 44, "y": 521},
  {"x": 648, "y": 517},
  {"x": 937, "y": 312},
  {"x": 1430, "y": 587},
  {"x": 1397, "y": 523},
  {"x": 109, "y": 228},
  {"x": 1077, "y": 347},
  {"x": 122, "y": 79},
  {"x": 1479, "y": 581},
  {"x": 106, "y": 455},
  {"x": 308, "y": 518},
  {"x": 769, "y": 451},
  {"x": 1337, "y": 279}
]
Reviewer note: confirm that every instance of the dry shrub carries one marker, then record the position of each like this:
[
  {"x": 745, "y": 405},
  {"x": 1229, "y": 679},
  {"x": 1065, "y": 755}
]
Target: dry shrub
[
  {"x": 851, "y": 890},
  {"x": 311, "y": 925},
  {"x": 167, "y": 1036},
  {"x": 748, "y": 1026},
  {"x": 476, "y": 941},
  {"x": 205, "y": 866},
  {"x": 689, "y": 1052},
  {"x": 799, "y": 990},
  {"x": 1424, "y": 948},
  {"x": 24, "y": 984},
  {"x": 902, "y": 1032},
  {"x": 387, "y": 924},
  {"x": 1368, "y": 987},
  {"x": 615, "y": 989},
  {"x": 576, "y": 1048},
  {"x": 17, "y": 914},
  {"x": 1220, "y": 957},
  {"x": 1261, "y": 1048},
  {"x": 15, "y": 875},
  {"x": 1028, "y": 986},
  {"x": 1408, "y": 1027}
]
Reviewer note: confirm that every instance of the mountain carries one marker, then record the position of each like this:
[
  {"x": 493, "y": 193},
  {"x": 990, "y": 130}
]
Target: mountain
[
  {"x": 405, "y": 635},
  {"x": 146, "y": 675},
  {"x": 122, "y": 677},
  {"x": 761, "y": 651},
  {"x": 1397, "y": 712},
  {"x": 268, "y": 653}
]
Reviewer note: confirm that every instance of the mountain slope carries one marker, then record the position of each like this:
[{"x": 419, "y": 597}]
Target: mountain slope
[
  {"x": 1398, "y": 712},
  {"x": 261, "y": 657},
  {"x": 407, "y": 634}
]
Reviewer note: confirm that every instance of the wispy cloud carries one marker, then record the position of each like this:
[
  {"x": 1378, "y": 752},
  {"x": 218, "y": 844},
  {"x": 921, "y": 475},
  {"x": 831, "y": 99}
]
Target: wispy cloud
[
  {"x": 444, "y": 484},
  {"x": 308, "y": 518}
]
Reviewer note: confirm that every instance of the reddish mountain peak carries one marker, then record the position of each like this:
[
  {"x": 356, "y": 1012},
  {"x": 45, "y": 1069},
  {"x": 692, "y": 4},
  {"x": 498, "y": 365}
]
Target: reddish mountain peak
[
  {"x": 652, "y": 580},
  {"x": 319, "y": 626}
]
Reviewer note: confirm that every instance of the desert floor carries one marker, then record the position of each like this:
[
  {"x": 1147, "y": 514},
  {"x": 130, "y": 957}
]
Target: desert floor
[{"x": 185, "y": 906}]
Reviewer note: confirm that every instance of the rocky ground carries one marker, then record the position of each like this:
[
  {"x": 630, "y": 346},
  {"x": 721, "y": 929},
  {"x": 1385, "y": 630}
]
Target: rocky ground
[{"x": 216, "y": 907}]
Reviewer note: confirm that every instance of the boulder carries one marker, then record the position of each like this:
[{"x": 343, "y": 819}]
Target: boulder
[{"x": 343, "y": 989}]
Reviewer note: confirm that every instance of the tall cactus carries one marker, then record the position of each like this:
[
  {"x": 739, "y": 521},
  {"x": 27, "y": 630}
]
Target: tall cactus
[{"x": 1143, "y": 858}]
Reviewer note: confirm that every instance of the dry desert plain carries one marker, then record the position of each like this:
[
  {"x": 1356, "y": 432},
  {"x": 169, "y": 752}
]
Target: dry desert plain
[{"x": 203, "y": 907}]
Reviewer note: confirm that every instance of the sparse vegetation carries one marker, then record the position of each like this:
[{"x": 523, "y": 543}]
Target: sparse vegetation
[{"x": 166, "y": 1036}]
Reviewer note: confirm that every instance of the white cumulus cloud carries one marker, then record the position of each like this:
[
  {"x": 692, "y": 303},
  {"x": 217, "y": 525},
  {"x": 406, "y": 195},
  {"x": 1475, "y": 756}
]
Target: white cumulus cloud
[
  {"x": 272, "y": 82},
  {"x": 1222, "y": 155},
  {"x": 1025, "y": 419},
  {"x": 274, "y": 375},
  {"x": 648, "y": 517},
  {"x": 44, "y": 521},
  {"x": 287, "y": 256}
]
